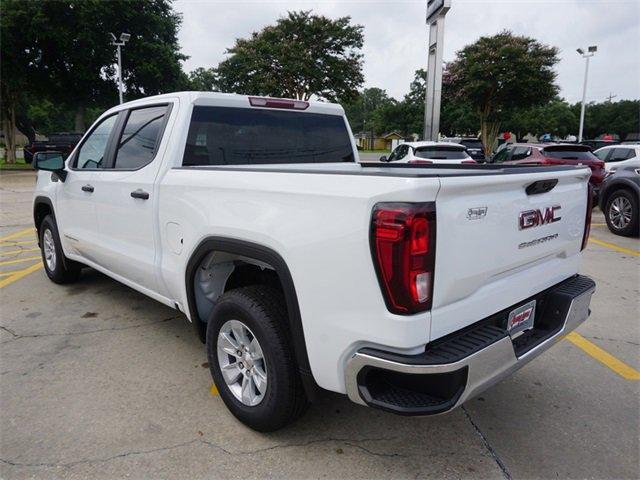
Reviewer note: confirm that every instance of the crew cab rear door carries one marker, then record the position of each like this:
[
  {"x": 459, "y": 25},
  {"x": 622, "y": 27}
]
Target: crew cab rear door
[{"x": 502, "y": 238}]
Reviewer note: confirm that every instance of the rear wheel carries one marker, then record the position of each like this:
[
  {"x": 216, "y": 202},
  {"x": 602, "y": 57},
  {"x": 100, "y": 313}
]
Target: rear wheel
[
  {"x": 621, "y": 213},
  {"x": 251, "y": 359},
  {"x": 59, "y": 269}
]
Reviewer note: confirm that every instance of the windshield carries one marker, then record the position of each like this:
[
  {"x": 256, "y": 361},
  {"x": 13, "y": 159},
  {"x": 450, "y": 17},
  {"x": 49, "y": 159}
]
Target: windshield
[
  {"x": 250, "y": 136},
  {"x": 441, "y": 153},
  {"x": 471, "y": 143}
]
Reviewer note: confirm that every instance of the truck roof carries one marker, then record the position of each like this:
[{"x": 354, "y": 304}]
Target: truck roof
[{"x": 219, "y": 99}]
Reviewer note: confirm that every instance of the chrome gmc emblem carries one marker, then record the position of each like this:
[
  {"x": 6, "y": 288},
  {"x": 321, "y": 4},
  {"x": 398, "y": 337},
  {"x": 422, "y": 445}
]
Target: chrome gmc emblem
[{"x": 535, "y": 218}]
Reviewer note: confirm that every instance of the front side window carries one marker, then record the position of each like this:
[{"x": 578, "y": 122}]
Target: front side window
[
  {"x": 501, "y": 156},
  {"x": 403, "y": 150},
  {"x": 92, "y": 151},
  {"x": 249, "y": 136},
  {"x": 140, "y": 137}
]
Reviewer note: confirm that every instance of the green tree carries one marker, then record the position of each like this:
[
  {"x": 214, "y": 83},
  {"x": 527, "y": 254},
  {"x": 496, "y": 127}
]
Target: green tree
[
  {"x": 361, "y": 111},
  {"x": 203, "y": 80},
  {"x": 555, "y": 117},
  {"x": 16, "y": 67},
  {"x": 61, "y": 52},
  {"x": 498, "y": 74},
  {"x": 300, "y": 56}
]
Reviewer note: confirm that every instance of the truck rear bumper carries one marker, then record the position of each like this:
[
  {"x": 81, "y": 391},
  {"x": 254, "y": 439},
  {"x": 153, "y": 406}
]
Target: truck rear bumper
[{"x": 459, "y": 366}]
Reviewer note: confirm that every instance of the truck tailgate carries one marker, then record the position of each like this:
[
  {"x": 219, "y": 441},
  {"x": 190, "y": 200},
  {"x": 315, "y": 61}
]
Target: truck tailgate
[{"x": 487, "y": 257}]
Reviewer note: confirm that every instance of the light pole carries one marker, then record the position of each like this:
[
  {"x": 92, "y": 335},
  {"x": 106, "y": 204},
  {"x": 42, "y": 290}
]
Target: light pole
[
  {"x": 591, "y": 51},
  {"x": 124, "y": 38}
]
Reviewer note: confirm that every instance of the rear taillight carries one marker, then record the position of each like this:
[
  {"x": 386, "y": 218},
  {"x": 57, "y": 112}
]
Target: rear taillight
[
  {"x": 587, "y": 220},
  {"x": 278, "y": 103},
  {"x": 403, "y": 246},
  {"x": 419, "y": 161},
  {"x": 469, "y": 161}
]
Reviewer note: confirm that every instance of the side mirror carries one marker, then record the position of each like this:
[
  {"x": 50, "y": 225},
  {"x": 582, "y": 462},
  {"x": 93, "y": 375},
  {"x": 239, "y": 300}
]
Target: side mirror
[
  {"x": 384, "y": 158},
  {"x": 50, "y": 162}
]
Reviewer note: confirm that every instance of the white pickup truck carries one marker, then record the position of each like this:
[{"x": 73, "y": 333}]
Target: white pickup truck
[{"x": 410, "y": 288}]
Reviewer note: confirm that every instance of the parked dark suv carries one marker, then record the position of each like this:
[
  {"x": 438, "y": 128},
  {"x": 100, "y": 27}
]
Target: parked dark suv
[
  {"x": 619, "y": 198},
  {"x": 63, "y": 142}
]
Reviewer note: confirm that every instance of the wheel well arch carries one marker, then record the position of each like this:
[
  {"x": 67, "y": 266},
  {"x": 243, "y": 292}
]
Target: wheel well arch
[
  {"x": 616, "y": 188},
  {"x": 42, "y": 207},
  {"x": 238, "y": 262}
]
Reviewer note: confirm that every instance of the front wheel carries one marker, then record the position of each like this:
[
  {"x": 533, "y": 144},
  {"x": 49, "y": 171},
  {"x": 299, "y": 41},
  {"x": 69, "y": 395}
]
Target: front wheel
[
  {"x": 251, "y": 358},
  {"x": 59, "y": 269},
  {"x": 621, "y": 213}
]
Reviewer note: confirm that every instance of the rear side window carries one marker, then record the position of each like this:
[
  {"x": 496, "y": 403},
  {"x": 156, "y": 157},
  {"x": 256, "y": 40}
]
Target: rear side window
[
  {"x": 248, "y": 136},
  {"x": 441, "y": 153},
  {"x": 569, "y": 154},
  {"x": 620, "y": 154},
  {"x": 140, "y": 137},
  {"x": 520, "y": 153}
]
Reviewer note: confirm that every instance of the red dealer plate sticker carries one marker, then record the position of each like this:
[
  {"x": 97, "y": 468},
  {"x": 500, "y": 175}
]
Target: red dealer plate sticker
[{"x": 521, "y": 318}]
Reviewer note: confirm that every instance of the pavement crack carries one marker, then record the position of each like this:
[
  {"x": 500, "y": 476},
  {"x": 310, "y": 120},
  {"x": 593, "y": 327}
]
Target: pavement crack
[
  {"x": 488, "y": 446},
  {"x": 348, "y": 441},
  {"x": 17, "y": 336},
  {"x": 9, "y": 331}
]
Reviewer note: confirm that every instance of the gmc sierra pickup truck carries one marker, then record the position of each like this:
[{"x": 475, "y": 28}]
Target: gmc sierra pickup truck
[{"x": 409, "y": 288}]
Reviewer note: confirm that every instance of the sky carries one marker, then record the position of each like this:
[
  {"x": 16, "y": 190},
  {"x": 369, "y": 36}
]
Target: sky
[{"x": 395, "y": 36}]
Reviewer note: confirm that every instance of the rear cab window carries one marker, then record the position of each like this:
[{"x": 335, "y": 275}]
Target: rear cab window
[{"x": 249, "y": 136}]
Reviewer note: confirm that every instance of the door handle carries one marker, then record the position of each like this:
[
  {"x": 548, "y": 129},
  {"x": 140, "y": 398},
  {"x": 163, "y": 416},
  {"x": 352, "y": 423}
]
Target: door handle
[
  {"x": 87, "y": 188},
  {"x": 139, "y": 193}
]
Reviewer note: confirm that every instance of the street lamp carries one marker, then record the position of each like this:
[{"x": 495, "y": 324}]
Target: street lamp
[
  {"x": 591, "y": 51},
  {"x": 124, "y": 38}
]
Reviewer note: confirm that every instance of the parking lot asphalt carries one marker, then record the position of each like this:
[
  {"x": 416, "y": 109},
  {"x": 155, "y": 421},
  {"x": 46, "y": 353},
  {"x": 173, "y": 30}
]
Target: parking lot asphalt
[{"x": 98, "y": 381}]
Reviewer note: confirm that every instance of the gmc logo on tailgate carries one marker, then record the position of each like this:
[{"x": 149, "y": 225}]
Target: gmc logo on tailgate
[{"x": 535, "y": 218}]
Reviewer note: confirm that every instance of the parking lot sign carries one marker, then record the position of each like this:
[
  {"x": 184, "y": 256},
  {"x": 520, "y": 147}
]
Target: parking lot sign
[{"x": 436, "y": 10}]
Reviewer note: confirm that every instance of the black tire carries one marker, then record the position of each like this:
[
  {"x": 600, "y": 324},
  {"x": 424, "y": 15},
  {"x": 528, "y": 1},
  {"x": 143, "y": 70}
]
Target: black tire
[
  {"x": 263, "y": 311},
  {"x": 64, "y": 270},
  {"x": 632, "y": 229}
]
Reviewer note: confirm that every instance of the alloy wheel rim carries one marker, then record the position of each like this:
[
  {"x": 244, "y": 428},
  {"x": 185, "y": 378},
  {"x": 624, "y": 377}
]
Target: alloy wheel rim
[
  {"x": 620, "y": 212},
  {"x": 242, "y": 362},
  {"x": 49, "y": 248}
]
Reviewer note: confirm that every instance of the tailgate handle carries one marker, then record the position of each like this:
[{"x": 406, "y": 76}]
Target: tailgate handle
[{"x": 541, "y": 186}]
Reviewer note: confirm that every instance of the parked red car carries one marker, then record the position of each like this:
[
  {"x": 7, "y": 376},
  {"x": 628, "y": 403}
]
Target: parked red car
[{"x": 553, "y": 154}]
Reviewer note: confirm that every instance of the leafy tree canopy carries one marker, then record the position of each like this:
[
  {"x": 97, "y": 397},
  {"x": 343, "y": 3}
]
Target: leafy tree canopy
[
  {"x": 300, "y": 56},
  {"x": 498, "y": 74}
]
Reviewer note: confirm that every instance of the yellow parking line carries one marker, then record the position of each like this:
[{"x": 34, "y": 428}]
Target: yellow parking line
[
  {"x": 608, "y": 360},
  {"x": 598, "y": 224},
  {"x": 213, "y": 390},
  {"x": 20, "y": 260},
  {"x": 19, "y": 274},
  {"x": 11, "y": 243},
  {"x": 628, "y": 251},
  {"x": 19, "y": 234},
  {"x": 15, "y": 252}
]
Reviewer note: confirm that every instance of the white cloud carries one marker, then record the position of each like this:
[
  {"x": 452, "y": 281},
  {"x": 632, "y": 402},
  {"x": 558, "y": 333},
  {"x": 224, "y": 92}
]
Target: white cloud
[{"x": 396, "y": 35}]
